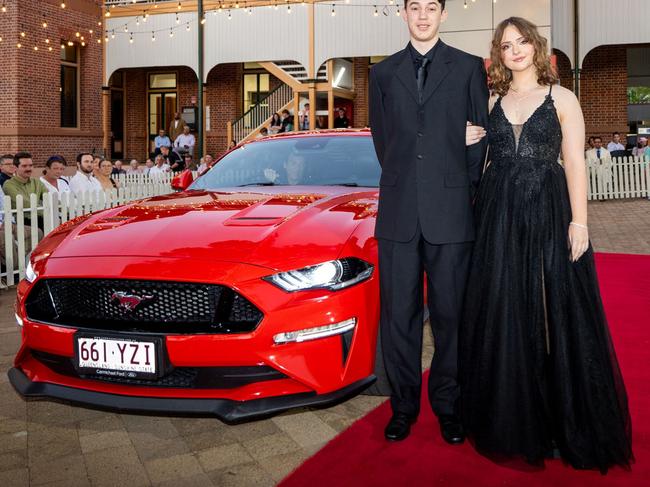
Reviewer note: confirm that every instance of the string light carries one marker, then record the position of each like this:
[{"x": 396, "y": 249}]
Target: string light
[
  {"x": 131, "y": 38},
  {"x": 44, "y": 24},
  {"x": 179, "y": 6},
  {"x": 289, "y": 9},
  {"x": 153, "y": 36},
  {"x": 4, "y": 7},
  {"x": 187, "y": 28},
  {"x": 171, "y": 32},
  {"x": 229, "y": 16},
  {"x": 62, "y": 4},
  {"x": 203, "y": 19},
  {"x": 177, "y": 19},
  {"x": 333, "y": 11}
]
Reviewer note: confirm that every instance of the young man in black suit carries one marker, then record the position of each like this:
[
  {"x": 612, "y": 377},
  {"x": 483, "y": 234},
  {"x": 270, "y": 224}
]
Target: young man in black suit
[{"x": 420, "y": 101}]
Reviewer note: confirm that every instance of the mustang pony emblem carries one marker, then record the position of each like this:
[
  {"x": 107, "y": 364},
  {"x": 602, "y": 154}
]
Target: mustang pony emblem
[{"x": 128, "y": 302}]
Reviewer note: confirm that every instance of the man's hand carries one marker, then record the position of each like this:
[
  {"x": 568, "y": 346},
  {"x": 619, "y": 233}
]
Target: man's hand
[
  {"x": 271, "y": 174},
  {"x": 474, "y": 134}
]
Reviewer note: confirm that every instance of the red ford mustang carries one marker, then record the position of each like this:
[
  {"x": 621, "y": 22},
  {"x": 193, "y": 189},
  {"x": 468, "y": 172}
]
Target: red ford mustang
[{"x": 253, "y": 291}]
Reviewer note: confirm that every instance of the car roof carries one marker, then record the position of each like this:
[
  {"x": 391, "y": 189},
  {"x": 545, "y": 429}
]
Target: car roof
[{"x": 310, "y": 133}]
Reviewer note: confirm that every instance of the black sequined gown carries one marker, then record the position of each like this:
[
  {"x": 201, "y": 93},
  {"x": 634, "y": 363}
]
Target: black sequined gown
[{"x": 537, "y": 366}]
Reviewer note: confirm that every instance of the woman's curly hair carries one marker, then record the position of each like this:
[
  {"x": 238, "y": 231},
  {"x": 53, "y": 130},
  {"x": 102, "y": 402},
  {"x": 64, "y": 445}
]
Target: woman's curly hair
[{"x": 500, "y": 76}]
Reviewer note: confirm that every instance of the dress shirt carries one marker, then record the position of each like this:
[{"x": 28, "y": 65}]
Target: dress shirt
[
  {"x": 162, "y": 142},
  {"x": 81, "y": 182}
]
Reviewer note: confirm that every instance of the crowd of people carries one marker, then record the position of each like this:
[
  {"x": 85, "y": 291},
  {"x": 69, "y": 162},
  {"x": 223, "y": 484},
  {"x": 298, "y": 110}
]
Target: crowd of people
[
  {"x": 284, "y": 121},
  {"x": 598, "y": 154}
]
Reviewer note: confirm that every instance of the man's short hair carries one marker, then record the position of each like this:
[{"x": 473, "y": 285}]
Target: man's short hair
[
  {"x": 285, "y": 111},
  {"x": 598, "y": 138},
  {"x": 21, "y": 155},
  {"x": 7, "y": 157},
  {"x": 82, "y": 154},
  {"x": 615, "y": 133},
  {"x": 441, "y": 2}
]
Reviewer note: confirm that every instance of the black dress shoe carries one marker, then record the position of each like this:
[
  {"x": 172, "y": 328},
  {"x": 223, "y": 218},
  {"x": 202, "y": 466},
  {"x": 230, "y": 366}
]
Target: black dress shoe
[
  {"x": 451, "y": 429},
  {"x": 398, "y": 427}
]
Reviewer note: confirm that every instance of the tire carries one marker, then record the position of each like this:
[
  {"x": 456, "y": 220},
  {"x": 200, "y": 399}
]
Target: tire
[{"x": 381, "y": 387}]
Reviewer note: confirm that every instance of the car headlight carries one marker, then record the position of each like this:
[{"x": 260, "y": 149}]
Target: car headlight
[
  {"x": 30, "y": 273},
  {"x": 332, "y": 275}
]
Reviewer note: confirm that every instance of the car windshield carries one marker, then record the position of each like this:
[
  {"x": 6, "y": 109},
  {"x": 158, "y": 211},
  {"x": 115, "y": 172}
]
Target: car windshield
[{"x": 311, "y": 161}]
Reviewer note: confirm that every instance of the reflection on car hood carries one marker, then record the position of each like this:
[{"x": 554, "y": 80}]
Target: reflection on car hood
[{"x": 269, "y": 227}]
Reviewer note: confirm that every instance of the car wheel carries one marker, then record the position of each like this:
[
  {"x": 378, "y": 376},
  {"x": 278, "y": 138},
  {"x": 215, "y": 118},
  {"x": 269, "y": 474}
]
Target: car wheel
[{"x": 381, "y": 387}]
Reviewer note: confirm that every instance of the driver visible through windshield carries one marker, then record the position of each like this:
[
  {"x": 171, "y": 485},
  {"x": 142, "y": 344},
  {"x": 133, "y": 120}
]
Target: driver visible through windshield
[{"x": 308, "y": 161}]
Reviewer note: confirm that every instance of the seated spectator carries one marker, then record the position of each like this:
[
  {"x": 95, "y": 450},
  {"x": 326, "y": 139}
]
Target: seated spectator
[
  {"x": 263, "y": 133},
  {"x": 117, "y": 168},
  {"x": 84, "y": 180},
  {"x": 7, "y": 168},
  {"x": 287, "y": 122},
  {"x": 206, "y": 164},
  {"x": 276, "y": 123},
  {"x": 590, "y": 142},
  {"x": 615, "y": 144},
  {"x": 96, "y": 161},
  {"x": 104, "y": 175},
  {"x": 22, "y": 183},
  {"x": 147, "y": 166},
  {"x": 172, "y": 159},
  {"x": 639, "y": 149},
  {"x": 184, "y": 143},
  {"x": 53, "y": 175},
  {"x": 134, "y": 167},
  {"x": 233, "y": 144},
  {"x": 161, "y": 167},
  {"x": 161, "y": 140},
  {"x": 188, "y": 163},
  {"x": 341, "y": 122},
  {"x": 598, "y": 155}
]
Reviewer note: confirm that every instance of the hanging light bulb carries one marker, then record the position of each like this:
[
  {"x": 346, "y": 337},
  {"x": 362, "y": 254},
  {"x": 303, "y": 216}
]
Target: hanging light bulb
[
  {"x": 131, "y": 38},
  {"x": 229, "y": 16},
  {"x": 333, "y": 11},
  {"x": 19, "y": 45},
  {"x": 376, "y": 13},
  {"x": 22, "y": 34},
  {"x": 171, "y": 32},
  {"x": 99, "y": 23},
  {"x": 137, "y": 21},
  {"x": 62, "y": 4},
  {"x": 177, "y": 19},
  {"x": 44, "y": 24},
  {"x": 47, "y": 41},
  {"x": 107, "y": 14},
  {"x": 106, "y": 38},
  {"x": 465, "y": 4},
  {"x": 112, "y": 34},
  {"x": 145, "y": 16},
  {"x": 126, "y": 28},
  {"x": 153, "y": 36},
  {"x": 70, "y": 43},
  {"x": 187, "y": 28},
  {"x": 36, "y": 48},
  {"x": 90, "y": 31},
  {"x": 397, "y": 13},
  {"x": 203, "y": 20},
  {"x": 4, "y": 7},
  {"x": 83, "y": 44},
  {"x": 289, "y": 9},
  {"x": 179, "y": 6},
  {"x": 237, "y": 5},
  {"x": 50, "y": 48},
  {"x": 250, "y": 11}
]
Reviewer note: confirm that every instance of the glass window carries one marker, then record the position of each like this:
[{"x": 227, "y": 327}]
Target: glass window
[
  {"x": 69, "y": 87},
  {"x": 162, "y": 80},
  {"x": 68, "y": 53},
  {"x": 252, "y": 66},
  {"x": 256, "y": 87},
  {"x": 307, "y": 161}
]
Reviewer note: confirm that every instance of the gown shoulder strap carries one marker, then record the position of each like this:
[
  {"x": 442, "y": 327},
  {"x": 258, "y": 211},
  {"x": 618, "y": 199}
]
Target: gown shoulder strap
[{"x": 550, "y": 89}]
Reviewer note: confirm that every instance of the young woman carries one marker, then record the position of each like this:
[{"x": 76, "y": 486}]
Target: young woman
[
  {"x": 538, "y": 371},
  {"x": 104, "y": 175},
  {"x": 53, "y": 175}
]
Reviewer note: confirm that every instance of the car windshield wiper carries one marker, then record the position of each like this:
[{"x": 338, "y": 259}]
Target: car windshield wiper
[
  {"x": 352, "y": 185},
  {"x": 263, "y": 183}
]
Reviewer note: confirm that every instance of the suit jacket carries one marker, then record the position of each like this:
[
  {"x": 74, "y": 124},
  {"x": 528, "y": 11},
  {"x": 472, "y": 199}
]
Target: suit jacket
[
  {"x": 176, "y": 131},
  {"x": 592, "y": 157},
  {"x": 428, "y": 173}
]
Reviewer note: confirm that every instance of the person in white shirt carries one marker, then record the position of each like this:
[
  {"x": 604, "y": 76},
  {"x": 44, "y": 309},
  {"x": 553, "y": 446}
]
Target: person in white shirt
[
  {"x": 147, "y": 166},
  {"x": 206, "y": 163},
  {"x": 160, "y": 169},
  {"x": 615, "y": 144},
  {"x": 53, "y": 176},
  {"x": 185, "y": 142},
  {"x": 601, "y": 159},
  {"x": 134, "y": 167},
  {"x": 84, "y": 180}
]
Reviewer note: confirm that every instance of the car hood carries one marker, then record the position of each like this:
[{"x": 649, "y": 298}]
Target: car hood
[{"x": 270, "y": 227}]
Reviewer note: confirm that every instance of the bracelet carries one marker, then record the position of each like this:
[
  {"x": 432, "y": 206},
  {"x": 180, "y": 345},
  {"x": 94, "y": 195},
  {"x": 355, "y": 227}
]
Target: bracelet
[{"x": 580, "y": 225}]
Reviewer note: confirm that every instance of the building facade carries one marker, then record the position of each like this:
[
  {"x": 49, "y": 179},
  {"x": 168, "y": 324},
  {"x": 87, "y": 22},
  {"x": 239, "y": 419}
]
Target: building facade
[{"x": 111, "y": 91}]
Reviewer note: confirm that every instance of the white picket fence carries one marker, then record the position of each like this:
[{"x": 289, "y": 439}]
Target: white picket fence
[
  {"x": 55, "y": 210},
  {"x": 624, "y": 177}
]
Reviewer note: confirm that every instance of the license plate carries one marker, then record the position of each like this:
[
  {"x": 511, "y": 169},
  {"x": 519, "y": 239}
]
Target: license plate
[{"x": 118, "y": 356}]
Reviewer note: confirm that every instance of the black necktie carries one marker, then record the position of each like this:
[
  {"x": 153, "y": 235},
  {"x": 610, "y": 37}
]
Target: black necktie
[
  {"x": 421, "y": 76},
  {"x": 598, "y": 153}
]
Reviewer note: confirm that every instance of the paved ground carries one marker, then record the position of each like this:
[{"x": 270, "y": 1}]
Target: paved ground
[{"x": 48, "y": 443}]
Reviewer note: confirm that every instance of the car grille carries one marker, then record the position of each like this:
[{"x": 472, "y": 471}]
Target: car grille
[
  {"x": 141, "y": 306},
  {"x": 179, "y": 377}
]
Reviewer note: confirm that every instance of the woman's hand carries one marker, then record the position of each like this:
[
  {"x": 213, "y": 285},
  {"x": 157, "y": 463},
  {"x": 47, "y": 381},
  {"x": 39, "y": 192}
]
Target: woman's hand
[
  {"x": 578, "y": 240},
  {"x": 474, "y": 134}
]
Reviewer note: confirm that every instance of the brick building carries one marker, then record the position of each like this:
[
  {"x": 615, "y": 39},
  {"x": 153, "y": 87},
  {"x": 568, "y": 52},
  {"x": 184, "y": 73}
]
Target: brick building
[
  {"x": 97, "y": 91},
  {"x": 31, "y": 99}
]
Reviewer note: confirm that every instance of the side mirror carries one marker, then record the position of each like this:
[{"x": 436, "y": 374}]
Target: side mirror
[{"x": 182, "y": 181}]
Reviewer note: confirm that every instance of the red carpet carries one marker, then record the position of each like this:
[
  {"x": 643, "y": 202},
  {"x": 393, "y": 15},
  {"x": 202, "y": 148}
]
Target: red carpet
[{"x": 361, "y": 457}]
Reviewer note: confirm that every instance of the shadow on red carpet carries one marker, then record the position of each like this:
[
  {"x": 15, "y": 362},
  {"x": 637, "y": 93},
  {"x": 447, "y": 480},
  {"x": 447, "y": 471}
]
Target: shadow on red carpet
[{"x": 360, "y": 456}]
